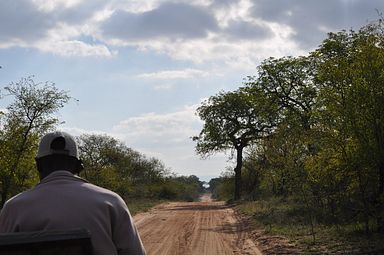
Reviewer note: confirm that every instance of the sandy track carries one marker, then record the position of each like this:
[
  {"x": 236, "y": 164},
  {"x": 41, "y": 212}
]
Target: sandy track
[{"x": 204, "y": 227}]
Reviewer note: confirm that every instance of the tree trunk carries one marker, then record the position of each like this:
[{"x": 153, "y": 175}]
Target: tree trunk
[
  {"x": 239, "y": 165},
  {"x": 4, "y": 193},
  {"x": 380, "y": 206},
  {"x": 381, "y": 179}
]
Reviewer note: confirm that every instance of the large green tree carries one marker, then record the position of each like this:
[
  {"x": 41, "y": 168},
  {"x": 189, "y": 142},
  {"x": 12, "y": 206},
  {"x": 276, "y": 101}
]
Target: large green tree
[{"x": 234, "y": 120}]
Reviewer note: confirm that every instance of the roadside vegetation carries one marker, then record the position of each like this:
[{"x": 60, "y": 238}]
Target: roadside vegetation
[
  {"x": 142, "y": 181},
  {"x": 307, "y": 134}
]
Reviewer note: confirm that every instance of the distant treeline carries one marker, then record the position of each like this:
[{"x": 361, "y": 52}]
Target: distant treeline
[
  {"x": 108, "y": 162},
  {"x": 111, "y": 164},
  {"x": 313, "y": 130}
]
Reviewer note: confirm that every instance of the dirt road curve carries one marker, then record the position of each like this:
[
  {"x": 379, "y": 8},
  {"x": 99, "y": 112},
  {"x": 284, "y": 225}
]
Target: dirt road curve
[{"x": 204, "y": 227}]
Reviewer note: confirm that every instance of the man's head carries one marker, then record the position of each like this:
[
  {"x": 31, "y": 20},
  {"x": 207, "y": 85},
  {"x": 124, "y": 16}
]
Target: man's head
[{"x": 57, "y": 151}]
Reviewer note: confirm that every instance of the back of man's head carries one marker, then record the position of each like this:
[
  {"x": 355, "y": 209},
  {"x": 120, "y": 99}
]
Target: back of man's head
[{"x": 57, "y": 151}]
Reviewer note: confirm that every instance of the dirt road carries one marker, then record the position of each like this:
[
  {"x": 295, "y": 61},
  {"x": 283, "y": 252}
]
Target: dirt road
[{"x": 204, "y": 227}]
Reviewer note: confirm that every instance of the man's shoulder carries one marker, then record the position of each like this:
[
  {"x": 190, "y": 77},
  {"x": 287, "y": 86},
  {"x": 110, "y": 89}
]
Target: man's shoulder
[
  {"x": 98, "y": 189},
  {"x": 103, "y": 193},
  {"x": 23, "y": 196}
]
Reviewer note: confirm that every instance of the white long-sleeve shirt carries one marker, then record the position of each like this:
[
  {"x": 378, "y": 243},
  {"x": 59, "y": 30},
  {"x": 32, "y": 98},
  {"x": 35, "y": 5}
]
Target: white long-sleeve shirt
[{"x": 64, "y": 201}]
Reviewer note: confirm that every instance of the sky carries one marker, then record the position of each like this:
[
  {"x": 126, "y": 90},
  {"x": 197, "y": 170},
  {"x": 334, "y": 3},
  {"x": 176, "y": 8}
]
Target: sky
[{"x": 138, "y": 69}]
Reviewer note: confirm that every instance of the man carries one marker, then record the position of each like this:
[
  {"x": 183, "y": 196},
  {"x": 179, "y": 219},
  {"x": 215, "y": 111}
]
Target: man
[{"x": 62, "y": 201}]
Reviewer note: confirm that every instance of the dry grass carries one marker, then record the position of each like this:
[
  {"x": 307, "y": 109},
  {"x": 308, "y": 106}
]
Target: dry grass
[
  {"x": 282, "y": 218},
  {"x": 142, "y": 205}
]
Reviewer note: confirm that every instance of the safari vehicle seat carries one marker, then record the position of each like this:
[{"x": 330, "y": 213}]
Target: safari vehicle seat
[{"x": 74, "y": 242}]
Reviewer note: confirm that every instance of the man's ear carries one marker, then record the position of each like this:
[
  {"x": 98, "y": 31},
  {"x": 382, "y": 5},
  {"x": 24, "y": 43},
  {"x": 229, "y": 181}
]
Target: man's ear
[
  {"x": 39, "y": 164},
  {"x": 79, "y": 165}
]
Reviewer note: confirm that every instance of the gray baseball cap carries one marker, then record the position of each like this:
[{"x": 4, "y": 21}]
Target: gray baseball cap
[{"x": 57, "y": 142}]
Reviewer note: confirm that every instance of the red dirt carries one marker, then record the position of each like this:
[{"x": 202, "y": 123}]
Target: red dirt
[{"x": 204, "y": 227}]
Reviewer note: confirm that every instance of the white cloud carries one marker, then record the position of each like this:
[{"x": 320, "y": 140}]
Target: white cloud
[
  {"x": 163, "y": 86},
  {"x": 238, "y": 34},
  {"x": 21, "y": 22},
  {"x": 241, "y": 40},
  {"x": 221, "y": 32},
  {"x": 140, "y": 6},
  {"x": 168, "y": 137},
  {"x": 169, "y": 128},
  {"x": 232, "y": 10},
  {"x": 308, "y": 18},
  {"x": 51, "y": 26},
  {"x": 75, "y": 131},
  {"x": 169, "y": 20},
  {"x": 52, "y": 5},
  {"x": 221, "y": 53},
  {"x": 174, "y": 74},
  {"x": 75, "y": 48}
]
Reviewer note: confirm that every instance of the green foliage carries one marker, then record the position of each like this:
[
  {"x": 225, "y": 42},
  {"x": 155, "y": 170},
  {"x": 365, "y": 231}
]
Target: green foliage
[
  {"x": 34, "y": 104},
  {"x": 326, "y": 150},
  {"x": 111, "y": 164},
  {"x": 222, "y": 188},
  {"x": 290, "y": 81},
  {"x": 235, "y": 120},
  {"x": 26, "y": 118}
]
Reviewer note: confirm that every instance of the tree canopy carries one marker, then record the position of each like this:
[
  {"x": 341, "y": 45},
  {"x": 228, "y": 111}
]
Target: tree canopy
[
  {"x": 234, "y": 120},
  {"x": 327, "y": 146},
  {"x": 30, "y": 115}
]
